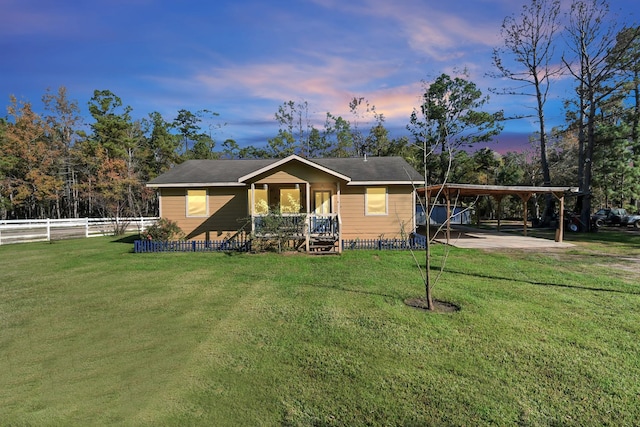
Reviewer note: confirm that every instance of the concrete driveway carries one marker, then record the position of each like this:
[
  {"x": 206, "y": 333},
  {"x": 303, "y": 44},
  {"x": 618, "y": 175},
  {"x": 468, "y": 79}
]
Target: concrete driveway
[{"x": 475, "y": 238}]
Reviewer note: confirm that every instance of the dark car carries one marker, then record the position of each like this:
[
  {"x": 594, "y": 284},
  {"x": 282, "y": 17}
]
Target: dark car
[{"x": 615, "y": 216}]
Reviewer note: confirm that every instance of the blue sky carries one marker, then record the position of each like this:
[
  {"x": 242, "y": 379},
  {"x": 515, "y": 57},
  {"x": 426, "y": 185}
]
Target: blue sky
[{"x": 244, "y": 59}]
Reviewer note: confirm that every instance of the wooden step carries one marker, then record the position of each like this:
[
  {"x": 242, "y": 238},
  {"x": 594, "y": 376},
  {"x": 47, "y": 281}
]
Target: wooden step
[{"x": 323, "y": 246}]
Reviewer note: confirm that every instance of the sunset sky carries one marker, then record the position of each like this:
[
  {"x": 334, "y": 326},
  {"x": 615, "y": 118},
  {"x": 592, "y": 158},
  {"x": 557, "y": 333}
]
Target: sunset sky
[{"x": 244, "y": 59}]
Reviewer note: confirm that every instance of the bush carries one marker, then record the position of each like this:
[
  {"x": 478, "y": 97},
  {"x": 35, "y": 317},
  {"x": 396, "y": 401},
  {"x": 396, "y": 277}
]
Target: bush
[
  {"x": 164, "y": 230},
  {"x": 278, "y": 232}
]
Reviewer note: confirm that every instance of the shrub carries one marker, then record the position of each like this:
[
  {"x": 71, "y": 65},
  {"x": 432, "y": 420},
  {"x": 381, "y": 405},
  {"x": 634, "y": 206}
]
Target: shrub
[
  {"x": 278, "y": 232},
  {"x": 164, "y": 230}
]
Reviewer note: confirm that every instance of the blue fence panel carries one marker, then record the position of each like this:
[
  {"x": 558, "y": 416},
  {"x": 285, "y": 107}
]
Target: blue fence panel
[
  {"x": 240, "y": 245},
  {"x": 415, "y": 241}
]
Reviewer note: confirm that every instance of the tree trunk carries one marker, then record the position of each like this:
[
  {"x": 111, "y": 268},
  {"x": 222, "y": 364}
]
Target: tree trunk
[
  {"x": 585, "y": 212},
  {"x": 549, "y": 205},
  {"x": 427, "y": 282}
]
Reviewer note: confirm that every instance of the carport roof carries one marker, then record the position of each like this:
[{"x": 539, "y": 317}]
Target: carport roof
[
  {"x": 498, "y": 192},
  {"x": 523, "y": 191}
]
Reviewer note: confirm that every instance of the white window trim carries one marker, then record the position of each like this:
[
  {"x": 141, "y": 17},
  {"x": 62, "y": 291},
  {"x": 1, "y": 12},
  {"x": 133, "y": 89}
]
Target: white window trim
[
  {"x": 206, "y": 202},
  {"x": 323, "y": 190},
  {"x": 386, "y": 201}
]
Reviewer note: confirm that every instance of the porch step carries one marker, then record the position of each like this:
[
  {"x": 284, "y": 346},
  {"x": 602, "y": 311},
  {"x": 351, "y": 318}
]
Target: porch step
[{"x": 324, "y": 246}]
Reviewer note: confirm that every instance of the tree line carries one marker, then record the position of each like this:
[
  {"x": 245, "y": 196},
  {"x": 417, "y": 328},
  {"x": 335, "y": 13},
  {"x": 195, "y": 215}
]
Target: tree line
[{"x": 55, "y": 165}]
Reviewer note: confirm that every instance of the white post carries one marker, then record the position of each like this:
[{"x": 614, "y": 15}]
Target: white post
[
  {"x": 48, "y": 230},
  {"x": 252, "y": 203},
  {"x": 339, "y": 217},
  {"x": 86, "y": 227},
  {"x": 414, "y": 194}
]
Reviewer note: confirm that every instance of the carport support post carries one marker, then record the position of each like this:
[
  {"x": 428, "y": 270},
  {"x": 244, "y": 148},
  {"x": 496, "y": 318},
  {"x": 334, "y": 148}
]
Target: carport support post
[
  {"x": 525, "y": 200},
  {"x": 560, "y": 231},
  {"x": 499, "y": 200}
]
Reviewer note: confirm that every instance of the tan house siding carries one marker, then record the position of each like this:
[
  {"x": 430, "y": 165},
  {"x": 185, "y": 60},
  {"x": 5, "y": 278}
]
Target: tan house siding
[
  {"x": 356, "y": 224},
  {"x": 226, "y": 208}
]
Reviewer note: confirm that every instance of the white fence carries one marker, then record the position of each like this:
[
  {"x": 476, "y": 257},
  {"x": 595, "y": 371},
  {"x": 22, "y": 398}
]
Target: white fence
[{"x": 44, "y": 230}]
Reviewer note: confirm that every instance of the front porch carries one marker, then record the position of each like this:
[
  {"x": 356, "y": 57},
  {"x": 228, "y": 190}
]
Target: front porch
[
  {"x": 301, "y": 215},
  {"x": 317, "y": 233}
]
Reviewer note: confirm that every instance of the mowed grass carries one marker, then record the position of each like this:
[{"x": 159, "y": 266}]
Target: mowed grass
[{"x": 92, "y": 334}]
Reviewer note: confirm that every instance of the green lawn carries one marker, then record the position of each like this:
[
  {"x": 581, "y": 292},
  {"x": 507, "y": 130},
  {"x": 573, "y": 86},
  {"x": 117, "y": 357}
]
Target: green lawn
[{"x": 92, "y": 334}]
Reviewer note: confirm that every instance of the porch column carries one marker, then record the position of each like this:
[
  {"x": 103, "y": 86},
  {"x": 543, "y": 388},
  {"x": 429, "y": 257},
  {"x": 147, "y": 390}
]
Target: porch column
[
  {"x": 448, "y": 217},
  {"x": 252, "y": 204},
  {"x": 338, "y": 219},
  {"x": 307, "y": 219},
  {"x": 414, "y": 194}
]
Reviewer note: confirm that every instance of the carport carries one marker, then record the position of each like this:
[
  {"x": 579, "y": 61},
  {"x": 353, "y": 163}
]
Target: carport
[{"x": 498, "y": 192}]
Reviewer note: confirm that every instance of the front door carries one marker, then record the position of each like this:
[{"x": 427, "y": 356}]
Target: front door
[{"x": 322, "y": 202}]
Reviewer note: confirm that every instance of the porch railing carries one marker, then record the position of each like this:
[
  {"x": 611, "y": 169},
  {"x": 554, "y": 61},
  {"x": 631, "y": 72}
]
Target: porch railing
[
  {"x": 324, "y": 225},
  {"x": 289, "y": 224},
  {"x": 297, "y": 224}
]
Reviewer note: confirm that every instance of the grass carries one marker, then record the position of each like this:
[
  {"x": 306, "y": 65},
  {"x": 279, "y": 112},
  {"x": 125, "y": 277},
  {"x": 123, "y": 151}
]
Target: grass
[{"x": 92, "y": 334}]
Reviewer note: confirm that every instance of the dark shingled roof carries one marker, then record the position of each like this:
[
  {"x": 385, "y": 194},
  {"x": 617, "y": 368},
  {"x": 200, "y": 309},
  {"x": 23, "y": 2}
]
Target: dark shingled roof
[
  {"x": 210, "y": 171},
  {"x": 373, "y": 169},
  {"x": 220, "y": 172}
]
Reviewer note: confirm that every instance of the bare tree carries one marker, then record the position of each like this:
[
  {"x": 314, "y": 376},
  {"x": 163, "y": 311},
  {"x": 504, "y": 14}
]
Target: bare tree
[
  {"x": 450, "y": 116},
  {"x": 596, "y": 61},
  {"x": 529, "y": 45},
  {"x": 64, "y": 119}
]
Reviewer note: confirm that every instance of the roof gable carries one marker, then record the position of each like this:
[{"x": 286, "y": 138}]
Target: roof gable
[{"x": 291, "y": 158}]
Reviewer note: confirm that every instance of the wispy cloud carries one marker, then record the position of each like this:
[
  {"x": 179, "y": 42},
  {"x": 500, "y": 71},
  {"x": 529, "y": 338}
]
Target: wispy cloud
[
  {"x": 243, "y": 60},
  {"x": 18, "y": 20},
  {"x": 426, "y": 27}
]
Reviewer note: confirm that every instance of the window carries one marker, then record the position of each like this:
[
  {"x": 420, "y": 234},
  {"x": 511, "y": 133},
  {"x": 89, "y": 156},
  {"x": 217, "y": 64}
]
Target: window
[
  {"x": 260, "y": 200},
  {"x": 375, "y": 200},
  {"x": 290, "y": 200},
  {"x": 322, "y": 200},
  {"x": 196, "y": 202}
]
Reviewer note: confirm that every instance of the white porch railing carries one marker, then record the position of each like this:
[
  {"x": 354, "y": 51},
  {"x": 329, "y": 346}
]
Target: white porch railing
[
  {"x": 44, "y": 230},
  {"x": 317, "y": 231},
  {"x": 301, "y": 224}
]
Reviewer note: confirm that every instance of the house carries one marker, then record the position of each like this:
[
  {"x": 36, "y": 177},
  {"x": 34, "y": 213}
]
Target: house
[{"x": 330, "y": 199}]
